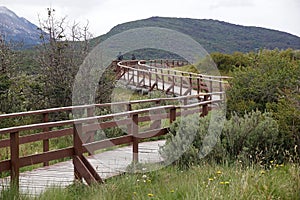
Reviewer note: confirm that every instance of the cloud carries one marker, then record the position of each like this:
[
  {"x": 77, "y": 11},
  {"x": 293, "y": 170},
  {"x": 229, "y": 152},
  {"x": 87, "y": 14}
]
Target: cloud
[{"x": 231, "y": 3}]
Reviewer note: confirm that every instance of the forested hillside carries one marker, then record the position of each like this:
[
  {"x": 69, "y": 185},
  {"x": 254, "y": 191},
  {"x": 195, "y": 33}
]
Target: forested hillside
[{"x": 216, "y": 36}]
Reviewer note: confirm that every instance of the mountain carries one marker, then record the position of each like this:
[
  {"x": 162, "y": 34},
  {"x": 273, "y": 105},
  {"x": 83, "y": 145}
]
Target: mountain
[
  {"x": 17, "y": 29},
  {"x": 216, "y": 36}
]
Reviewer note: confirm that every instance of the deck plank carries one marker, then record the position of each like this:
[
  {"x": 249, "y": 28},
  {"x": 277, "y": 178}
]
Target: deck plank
[{"x": 107, "y": 164}]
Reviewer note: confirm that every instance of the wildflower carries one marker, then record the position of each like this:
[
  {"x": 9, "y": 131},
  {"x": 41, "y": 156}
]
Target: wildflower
[
  {"x": 137, "y": 180},
  {"x": 134, "y": 193},
  {"x": 281, "y": 165},
  {"x": 210, "y": 179},
  {"x": 226, "y": 182},
  {"x": 271, "y": 161},
  {"x": 172, "y": 191},
  {"x": 150, "y": 195},
  {"x": 148, "y": 180},
  {"x": 262, "y": 172},
  {"x": 144, "y": 169},
  {"x": 222, "y": 183},
  {"x": 219, "y": 172},
  {"x": 144, "y": 176}
]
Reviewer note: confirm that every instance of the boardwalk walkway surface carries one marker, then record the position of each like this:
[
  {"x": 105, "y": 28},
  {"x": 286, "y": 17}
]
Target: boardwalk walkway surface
[{"x": 107, "y": 164}]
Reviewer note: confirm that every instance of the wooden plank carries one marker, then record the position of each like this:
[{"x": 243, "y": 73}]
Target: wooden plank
[
  {"x": 14, "y": 158},
  {"x": 135, "y": 141},
  {"x": 5, "y": 165},
  {"x": 108, "y": 143},
  {"x": 153, "y": 133},
  {"x": 83, "y": 171},
  {"x": 104, "y": 125},
  {"x": 39, "y": 136},
  {"x": 91, "y": 170},
  {"x": 46, "y": 156}
]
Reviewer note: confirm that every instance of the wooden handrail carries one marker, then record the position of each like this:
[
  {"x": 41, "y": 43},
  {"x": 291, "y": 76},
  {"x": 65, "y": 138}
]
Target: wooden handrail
[{"x": 90, "y": 124}]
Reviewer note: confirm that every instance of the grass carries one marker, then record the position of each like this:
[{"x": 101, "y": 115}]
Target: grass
[{"x": 201, "y": 182}]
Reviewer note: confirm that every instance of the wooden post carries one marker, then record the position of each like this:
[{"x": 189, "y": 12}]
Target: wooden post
[
  {"x": 172, "y": 115},
  {"x": 211, "y": 84},
  {"x": 138, "y": 78},
  {"x": 135, "y": 142},
  {"x": 198, "y": 85},
  {"x": 77, "y": 144},
  {"x": 205, "y": 107},
  {"x": 46, "y": 141},
  {"x": 150, "y": 77},
  {"x": 14, "y": 159},
  {"x": 91, "y": 134},
  {"x": 129, "y": 126},
  {"x": 221, "y": 89},
  {"x": 191, "y": 83}
]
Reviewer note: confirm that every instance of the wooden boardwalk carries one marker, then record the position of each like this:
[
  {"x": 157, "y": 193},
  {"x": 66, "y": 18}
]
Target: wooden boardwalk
[{"x": 107, "y": 164}]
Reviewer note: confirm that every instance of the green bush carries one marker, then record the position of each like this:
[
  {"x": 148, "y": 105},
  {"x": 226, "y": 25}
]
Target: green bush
[{"x": 253, "y": 138}]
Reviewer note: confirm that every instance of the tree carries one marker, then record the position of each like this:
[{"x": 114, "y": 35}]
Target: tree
[{"x": 62, "y": 51}]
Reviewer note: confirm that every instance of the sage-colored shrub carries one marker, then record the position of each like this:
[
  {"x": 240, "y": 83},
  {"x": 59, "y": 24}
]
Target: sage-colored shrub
[{"x": 253, "y": 138}]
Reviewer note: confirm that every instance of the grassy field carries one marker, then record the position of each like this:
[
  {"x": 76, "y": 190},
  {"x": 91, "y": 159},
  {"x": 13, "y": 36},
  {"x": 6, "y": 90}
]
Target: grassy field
[{"x": 202, "y": 182}]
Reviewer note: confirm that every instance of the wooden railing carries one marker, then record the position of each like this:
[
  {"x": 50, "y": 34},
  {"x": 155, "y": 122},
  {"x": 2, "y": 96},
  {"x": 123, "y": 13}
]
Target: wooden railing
[
  {"x": 140, "y": 74},
  {"x": 83, "y": 129}
]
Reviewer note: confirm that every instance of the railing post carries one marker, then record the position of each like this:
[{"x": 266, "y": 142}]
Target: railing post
[
  {"x": 14, "y": 159},
  {"x": 77, "y": 145},
  {"x": 172, "y": 115},
  {"x": 191, "y": 83},
  {"x": 221, "y": 88},
  {"x": 135, "y": 142},
  {"x": 91, "y": 134},
  {"x": 150, "y": 77},
  {"x": 181, "y": 85},
  {"x": 46, "y": 141},
  {"x": 205, "y": 106},
  {"x": 198, "y": 85},
  {"x": 211, "y": 84},
  {"x": 129, "y": 126}
]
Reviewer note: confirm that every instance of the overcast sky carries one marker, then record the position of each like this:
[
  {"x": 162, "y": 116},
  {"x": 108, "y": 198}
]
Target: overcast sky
[{"x": 102, "y": 15}]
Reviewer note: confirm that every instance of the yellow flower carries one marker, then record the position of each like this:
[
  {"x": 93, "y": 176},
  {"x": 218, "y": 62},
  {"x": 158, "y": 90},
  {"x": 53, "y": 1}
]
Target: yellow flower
[
  {"x": 271, "y": 161},
  {"x": 150, "y": 195},
  {"x": 210, "y": 179},
  {"x": 281, "y": 165},
  {"x": 172, "y": 191},
  {"x": 222, "y": 183},
  {"x": 262, "y": 172},
  {"x": 226, "y": 182},
  {"x": 134, "y": 193},
  {"x": 149, "y": 181},
  {"x": 219, "y": 172}
]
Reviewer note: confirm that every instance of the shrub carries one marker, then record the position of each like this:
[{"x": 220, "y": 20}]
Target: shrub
[{"x": 253, "y": 138}]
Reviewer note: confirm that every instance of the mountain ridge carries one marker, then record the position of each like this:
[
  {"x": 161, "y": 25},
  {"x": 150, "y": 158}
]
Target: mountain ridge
[
  {"x": 215, "y": 35},
  {"x": 18, "y": 29}
]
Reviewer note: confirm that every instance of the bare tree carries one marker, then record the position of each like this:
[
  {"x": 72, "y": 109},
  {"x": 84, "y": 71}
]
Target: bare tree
[{"x": 62, "y": 51}]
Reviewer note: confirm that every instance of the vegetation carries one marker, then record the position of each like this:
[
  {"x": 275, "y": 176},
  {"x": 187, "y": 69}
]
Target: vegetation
[
  {"x": 260, "y": 138},
  {"x": 207, "y": 181},
  {"x": 213, "y": 35}
]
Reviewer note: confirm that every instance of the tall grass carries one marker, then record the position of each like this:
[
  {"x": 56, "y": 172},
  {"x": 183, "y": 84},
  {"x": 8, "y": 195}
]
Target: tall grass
[{"x": 201, "y": 182}]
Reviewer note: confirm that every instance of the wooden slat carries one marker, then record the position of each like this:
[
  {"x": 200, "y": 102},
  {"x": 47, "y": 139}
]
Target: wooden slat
[
  {"x": 83, "y": 171},
  {"x": 152, "y": 133},
  {"x": 39, "y": 136},
  {"x": 91, "y": 170},
  {"x": 5, "y": 165},
  {"x": 108, "y": 143},
  {"x": 104, "y": 125},
  {"x": 46, "y": 156}
]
